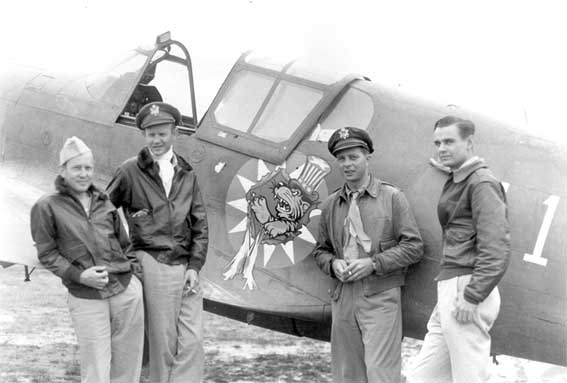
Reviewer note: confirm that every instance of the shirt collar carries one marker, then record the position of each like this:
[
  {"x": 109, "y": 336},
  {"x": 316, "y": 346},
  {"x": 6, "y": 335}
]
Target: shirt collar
[
  {"x": 371, "y": 188},
  {"x": 63, "y": 187},
  {"x": 146, "y": 161},
  {"x": 469, "y": 161},
  {"x": 467, "y": 168},
  {"x": 167, "y": 156}
]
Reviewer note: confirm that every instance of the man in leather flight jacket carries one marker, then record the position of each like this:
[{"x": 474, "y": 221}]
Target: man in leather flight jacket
[
  {"x": 476, "y": 251},
  {"x": 80, "y": 238},
  {"x": 166, "y": 215}
]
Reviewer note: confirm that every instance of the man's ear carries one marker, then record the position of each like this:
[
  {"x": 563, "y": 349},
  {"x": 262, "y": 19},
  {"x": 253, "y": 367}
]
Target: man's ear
[{"x": 470, "y": 143}]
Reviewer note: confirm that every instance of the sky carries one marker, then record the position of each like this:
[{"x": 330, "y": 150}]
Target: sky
[{"x": 504, "y": 59}]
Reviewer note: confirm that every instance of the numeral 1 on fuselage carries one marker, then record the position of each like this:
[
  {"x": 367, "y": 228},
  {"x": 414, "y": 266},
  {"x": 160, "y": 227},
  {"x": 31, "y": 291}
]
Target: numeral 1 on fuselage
[{"x": 536, "y": 257}]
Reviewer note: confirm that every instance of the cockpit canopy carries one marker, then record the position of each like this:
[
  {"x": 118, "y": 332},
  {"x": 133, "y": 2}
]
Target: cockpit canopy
[{"x": 266, "y": 107}]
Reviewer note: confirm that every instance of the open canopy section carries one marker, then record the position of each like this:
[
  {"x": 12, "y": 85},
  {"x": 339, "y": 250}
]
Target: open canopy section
[
  {"x": 113, "y": 85},
  {"x": 162, "y": 73}
]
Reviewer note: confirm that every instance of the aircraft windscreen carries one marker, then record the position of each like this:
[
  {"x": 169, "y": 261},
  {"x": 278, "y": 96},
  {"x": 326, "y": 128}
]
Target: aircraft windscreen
[
  {"x": 243, "y": 100},
  {"x": 266, "y": 113},
  {"x": 287, "y": 108},
  {"x": 113, "y": 86},
  {"x": 244, "y": 106}
]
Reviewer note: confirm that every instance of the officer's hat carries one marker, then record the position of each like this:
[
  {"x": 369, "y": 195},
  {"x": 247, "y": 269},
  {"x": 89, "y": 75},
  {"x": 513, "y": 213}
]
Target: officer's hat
[
  {"x": 157, "y": 113},
  {"x": 349, "y": 137}
]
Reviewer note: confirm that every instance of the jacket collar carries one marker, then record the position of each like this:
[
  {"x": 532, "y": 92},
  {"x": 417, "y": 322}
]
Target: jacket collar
[
  {"x": 145, "y": 160},
  {"x": 372, "y": 189},
  {"x": 63, "y": 187},
  {"x": 467, "y": 169}
]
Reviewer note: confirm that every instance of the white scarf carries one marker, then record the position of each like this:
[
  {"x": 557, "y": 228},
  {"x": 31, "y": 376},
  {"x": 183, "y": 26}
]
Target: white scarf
[{"x": 166, "y": 169}]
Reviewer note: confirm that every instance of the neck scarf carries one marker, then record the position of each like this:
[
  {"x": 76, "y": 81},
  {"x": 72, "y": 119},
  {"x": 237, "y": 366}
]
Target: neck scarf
[
  {"x": 166, "y": 169},
  {"x": 355, "y": 230}
]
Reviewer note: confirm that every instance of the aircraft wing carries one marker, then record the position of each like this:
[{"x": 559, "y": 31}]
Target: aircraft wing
[{"x": 16, "y": 200}]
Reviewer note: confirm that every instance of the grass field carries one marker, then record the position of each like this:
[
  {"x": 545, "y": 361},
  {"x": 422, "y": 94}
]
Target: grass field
[{"x": 37, "y": 344}]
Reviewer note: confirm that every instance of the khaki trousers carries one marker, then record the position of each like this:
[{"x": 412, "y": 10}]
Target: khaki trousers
[
  {"x": 451, "y": 351},
  {"x": 110, "y": 333},
  {"x": 175, "y": 323},
  {"x": 366, "y": 336}
]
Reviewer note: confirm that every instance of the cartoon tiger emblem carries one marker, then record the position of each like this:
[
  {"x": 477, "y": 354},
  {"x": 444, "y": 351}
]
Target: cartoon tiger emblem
[
  {"x": 278, "y": 207},
  {"x": 290, "y": 208}
]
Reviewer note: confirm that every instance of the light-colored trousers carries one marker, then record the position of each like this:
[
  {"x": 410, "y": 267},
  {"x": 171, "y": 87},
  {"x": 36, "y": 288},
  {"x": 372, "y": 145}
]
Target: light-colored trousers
[
  {"x": 451, "y": 351},
  {"x": 110, "y": 333},
  {"x": 175, "y": 323},
  {"x": 366, "y": 336}
]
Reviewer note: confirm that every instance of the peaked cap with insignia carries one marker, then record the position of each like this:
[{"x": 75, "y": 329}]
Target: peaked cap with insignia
[
  {"x": 157, "y": 113},
  {"x": 349, "y": 137}
]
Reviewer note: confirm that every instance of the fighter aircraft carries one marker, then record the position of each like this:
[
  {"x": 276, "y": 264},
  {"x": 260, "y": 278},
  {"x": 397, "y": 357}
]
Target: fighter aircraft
[{"x": 260, "y": 155}]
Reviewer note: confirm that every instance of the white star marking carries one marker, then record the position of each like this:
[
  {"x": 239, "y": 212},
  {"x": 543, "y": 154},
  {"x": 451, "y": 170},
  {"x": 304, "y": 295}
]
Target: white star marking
[
  {"x": 268, "y": 251},
  {"x": 306, "y": 235},
  {"x": 241, "y": 226},
  {"x": 288, "y": 248},
  {"x": 246, "y": 183},
  {"x": 240, "y": 204}
]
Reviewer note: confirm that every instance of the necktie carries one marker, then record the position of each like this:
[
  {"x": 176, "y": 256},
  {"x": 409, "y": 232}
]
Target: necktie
[
  {"x": 355, "y": 231},
  {"x": 166, "y": 172}
]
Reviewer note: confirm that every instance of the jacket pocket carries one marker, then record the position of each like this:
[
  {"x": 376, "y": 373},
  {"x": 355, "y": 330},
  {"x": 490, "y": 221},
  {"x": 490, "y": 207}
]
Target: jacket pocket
[
  {"x": 78, "y": 254},
  {"x": 460, "y": 234},
  {"x": 459, "y": 241},
  {"x": 375, "y": 284},
  {"x": 141, "y": 228}
]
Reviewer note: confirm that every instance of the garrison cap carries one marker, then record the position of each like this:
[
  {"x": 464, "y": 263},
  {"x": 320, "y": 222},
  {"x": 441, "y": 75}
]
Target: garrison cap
[
  {"x": 157, "y": 113},
  {"x": 349, "y": 137},
  {"x": 73, "y": 147}
]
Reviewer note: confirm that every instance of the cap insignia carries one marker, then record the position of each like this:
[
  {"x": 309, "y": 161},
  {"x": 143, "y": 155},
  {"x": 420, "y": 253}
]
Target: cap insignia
[
  {"x": 343, "y": 133},
  {"x": 154, "y": 110}
]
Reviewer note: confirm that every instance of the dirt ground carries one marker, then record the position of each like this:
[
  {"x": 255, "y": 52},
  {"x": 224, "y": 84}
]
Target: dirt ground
[{"x": 37, "y": 344}]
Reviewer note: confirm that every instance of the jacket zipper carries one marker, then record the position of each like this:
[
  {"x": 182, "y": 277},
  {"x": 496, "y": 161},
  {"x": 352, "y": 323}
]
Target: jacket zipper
[
  {"x": 88, "y": 218},
  {"x": 161, "y": 187},
  {"x": 169, "y": 206}
]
